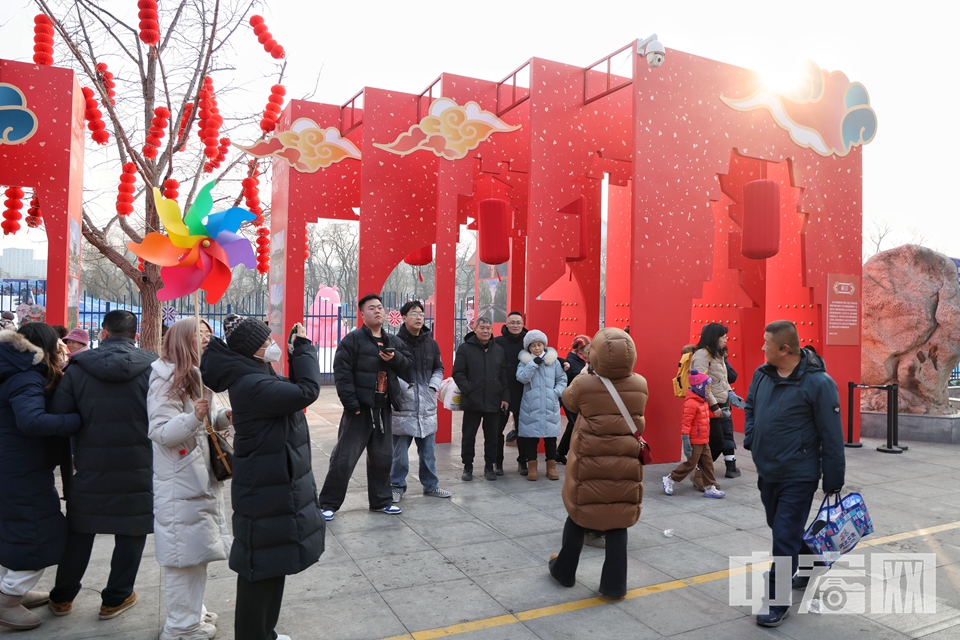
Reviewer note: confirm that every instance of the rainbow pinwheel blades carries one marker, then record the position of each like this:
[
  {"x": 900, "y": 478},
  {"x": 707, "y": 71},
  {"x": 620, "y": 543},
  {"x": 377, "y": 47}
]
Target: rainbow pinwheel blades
[{"x": 196, "y": 255}]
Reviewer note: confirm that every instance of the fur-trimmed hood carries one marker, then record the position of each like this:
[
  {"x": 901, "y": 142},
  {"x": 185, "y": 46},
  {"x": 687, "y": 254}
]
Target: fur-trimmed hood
[
  {"x": 17, "y": 353},
  {"x": 549, "y": 357}
]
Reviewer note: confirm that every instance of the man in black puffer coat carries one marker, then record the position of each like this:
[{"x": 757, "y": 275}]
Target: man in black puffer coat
[
  {"x": 277, "y": 526},
  {"x": 112, "y": 488},
  {"x": 511, "y": 341},
  {"x": 480, "y": 372},
  {"x": 365, "y": 369}
]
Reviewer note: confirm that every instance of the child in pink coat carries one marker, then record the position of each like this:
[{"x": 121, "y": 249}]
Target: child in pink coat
[{"x": 696, "y": 427}]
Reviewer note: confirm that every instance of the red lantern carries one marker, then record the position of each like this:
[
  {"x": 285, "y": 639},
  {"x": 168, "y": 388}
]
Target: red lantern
[
  {"x": 761, "y": 219},
  {"x": 149, "y": 25},
  {"x": 171, "y": 189},
  {"x": 265, "y": 38},
  {"x": 187, "y": 110},
  {"x": 34, "y": 215},
  {"x": 263, "y": 250},
  {"x": 106, "y": 79},
  {"x": 420, "y": 257},
  {"x": 493, "y": 231},
  {"x": 126, "y": 189},
  {"x": 98, "y": 131},
  {"x": 11, "y": 215}
]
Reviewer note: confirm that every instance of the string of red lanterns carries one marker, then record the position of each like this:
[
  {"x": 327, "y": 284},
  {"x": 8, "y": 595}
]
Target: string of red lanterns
[
  {"x": 91, "y": 113},
  {"x": 187, "y": 111},
  {"x": 210, "y": 122},
  {"x": 270, "y": 45},
  {"x": 126, "y": 189},
  {"x": 34, "y": 215},
  {"x": 171, "y": 189},
  {"x": 263, "y": 250},
  {"x": 42, "y": 40},
  {"x": 149, "y": 25},
  {"x": 158, "y": 127},
  {"x": 11, "y": 215},
  {"x": 271, "y": 112},
  {"x": 106, "y": 79}
]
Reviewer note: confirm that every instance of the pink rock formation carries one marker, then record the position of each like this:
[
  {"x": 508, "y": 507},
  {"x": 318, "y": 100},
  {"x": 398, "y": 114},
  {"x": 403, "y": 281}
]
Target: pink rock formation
[{"x": 911, "y": 329}]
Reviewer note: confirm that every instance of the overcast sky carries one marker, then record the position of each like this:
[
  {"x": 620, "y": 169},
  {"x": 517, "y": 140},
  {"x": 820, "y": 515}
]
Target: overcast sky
[{"x": 904, "y": 54}]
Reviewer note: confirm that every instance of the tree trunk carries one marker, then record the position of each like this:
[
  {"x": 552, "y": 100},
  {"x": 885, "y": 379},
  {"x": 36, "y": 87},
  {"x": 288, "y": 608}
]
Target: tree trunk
[{"x": 150, "y": 316}]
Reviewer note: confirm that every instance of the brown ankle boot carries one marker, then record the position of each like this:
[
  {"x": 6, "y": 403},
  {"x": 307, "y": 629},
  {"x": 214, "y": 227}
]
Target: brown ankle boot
[
  {"x": 552, "y": 470},
  {"x": 14, "y": 615},
  {"x": 531, "y": 469}
]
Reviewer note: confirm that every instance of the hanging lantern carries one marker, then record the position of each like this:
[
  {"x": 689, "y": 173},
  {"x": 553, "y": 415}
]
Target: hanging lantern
[
  {"x": 493, "y": 231},
  {"x": 421, "y": 257},
  {"x": 761, "y": 219}
]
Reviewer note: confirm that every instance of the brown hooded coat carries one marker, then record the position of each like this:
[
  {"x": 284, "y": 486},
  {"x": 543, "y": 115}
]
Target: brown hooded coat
[{"x": 603, "y": 486}]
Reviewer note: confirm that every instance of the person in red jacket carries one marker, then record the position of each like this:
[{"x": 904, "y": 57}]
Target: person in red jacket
[{"x": 696, "y": 428}]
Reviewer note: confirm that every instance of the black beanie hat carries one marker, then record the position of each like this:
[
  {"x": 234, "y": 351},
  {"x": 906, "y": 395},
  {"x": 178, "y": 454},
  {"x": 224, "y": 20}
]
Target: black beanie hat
[
  {"x": 248, "y": 336},
  {"x": 230, "y": 323}
]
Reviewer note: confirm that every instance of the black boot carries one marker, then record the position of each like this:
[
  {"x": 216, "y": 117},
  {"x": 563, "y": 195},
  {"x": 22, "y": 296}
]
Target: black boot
[
  {"x": 732, "y": 471},
  {"x": 522, "y": 468},
  {"x": 467, "y": 473}
]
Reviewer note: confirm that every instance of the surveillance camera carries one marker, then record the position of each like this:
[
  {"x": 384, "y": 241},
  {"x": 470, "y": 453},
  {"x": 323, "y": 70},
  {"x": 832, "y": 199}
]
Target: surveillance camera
[{"x": 655, "y": 53}]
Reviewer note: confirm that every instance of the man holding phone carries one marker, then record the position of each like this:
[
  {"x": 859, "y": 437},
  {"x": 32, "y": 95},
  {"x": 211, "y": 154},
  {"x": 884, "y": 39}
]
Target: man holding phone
[{"x": 365, "y": 370}]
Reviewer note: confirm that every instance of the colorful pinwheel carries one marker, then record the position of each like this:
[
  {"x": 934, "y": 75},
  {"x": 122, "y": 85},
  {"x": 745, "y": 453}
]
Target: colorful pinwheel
[{"x": 194, "y": 255}]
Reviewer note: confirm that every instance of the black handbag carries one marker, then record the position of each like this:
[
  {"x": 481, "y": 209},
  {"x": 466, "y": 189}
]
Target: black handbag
[{"x": 221, "y": 453}]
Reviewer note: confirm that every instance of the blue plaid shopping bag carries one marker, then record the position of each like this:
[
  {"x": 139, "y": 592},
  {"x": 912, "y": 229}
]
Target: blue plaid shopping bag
[{"x": 838, "y": 527}]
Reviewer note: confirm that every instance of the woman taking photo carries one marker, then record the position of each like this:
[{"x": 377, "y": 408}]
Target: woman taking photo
[
  {"x": 33, "y": 530},
  {"x": 710, "y": 357},
  {"x": 190, "y": 524}
]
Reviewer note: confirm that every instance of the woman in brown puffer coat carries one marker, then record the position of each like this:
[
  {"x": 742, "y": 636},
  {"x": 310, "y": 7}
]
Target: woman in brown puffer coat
[{"x": 603, "y": 487}]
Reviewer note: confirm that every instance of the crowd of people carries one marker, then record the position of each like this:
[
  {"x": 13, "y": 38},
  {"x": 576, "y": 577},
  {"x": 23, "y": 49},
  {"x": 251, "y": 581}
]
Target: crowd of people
[{"x": 144, "y": 465}]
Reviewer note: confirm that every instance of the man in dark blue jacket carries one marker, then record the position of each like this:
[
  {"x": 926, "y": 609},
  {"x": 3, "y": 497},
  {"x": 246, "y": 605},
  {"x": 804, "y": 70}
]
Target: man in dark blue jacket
[
  {"x": 793, "y": 431},
  {"x": 365, "y": 370}
]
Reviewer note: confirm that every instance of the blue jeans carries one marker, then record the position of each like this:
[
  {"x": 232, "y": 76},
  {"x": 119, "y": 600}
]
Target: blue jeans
[{"x": 427, "y": 450}]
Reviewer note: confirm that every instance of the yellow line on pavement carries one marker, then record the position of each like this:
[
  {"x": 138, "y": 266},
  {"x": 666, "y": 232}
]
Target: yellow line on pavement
[{"x": 576, "y": 605}]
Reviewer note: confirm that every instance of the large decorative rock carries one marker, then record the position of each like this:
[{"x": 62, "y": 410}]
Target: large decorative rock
[{"x": 911, "y": 329}]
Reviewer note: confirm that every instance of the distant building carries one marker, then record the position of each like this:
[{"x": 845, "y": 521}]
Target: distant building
[{"x": 20, "y": 263}]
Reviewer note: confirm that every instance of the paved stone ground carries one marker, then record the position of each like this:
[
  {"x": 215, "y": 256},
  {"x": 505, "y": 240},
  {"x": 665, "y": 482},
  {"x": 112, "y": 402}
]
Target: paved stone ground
[{"x": 482, "y": 554}]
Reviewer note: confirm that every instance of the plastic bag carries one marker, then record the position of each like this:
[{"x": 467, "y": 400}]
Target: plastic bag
[
  {"x": 838, "y": 527},
  {"x": 450, "y": 395}
]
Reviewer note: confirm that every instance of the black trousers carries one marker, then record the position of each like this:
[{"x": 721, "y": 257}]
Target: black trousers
[
  {"x": 721, "y": 437},
  {"x": 787, "y": 505},
  {"x": 359, "y": 432},
  {"x": 504, "y": 417},
  {"x": 563, "y": 448},
  {"x": 529, "y": 447},
  {"x": 491, "y": 429},
  {"x": 613, "y": 576},
  {"x": 258, "y": 608},
  {"x": 124, "y": 565}
]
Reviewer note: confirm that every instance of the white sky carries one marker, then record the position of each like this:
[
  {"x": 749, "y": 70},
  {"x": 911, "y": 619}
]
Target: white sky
[{"x": 903, "y": 53}]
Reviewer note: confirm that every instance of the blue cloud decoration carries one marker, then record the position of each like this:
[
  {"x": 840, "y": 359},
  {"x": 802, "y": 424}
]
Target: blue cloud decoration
[{"x": 17, "y": 122}]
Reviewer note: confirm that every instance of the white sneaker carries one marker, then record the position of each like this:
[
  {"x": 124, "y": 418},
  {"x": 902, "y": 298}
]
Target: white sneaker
[
  {"x": 712, "y": 492},
  {"x": 210, "y": 617},
  {"x": 280, "y": 636},
  {"x": 668, "y": 485},
  {"x": 327, "y": 514},
  {"x": 205, "y": 632}
]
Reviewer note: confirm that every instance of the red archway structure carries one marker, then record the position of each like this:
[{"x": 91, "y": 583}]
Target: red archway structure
[
  {"x": 678, "y": 143},
  {"x": 49, "y": 161}
]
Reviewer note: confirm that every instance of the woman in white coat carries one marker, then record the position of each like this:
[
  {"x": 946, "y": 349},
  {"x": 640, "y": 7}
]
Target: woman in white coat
[{"x": 190, "y": 522}]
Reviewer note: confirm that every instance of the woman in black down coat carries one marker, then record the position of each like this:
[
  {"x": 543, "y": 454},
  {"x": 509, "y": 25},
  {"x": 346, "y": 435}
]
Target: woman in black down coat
[
  {"x": 33, "y": 530},
  {"x": 277, "y": 526}
]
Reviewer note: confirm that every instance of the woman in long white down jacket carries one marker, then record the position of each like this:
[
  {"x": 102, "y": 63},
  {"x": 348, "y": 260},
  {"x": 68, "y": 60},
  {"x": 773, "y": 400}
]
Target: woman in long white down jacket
[{"x": 190, "y": 522}]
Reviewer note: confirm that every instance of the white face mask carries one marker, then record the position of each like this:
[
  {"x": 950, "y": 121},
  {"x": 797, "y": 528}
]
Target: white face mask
[{"x": 272, "y": 353}]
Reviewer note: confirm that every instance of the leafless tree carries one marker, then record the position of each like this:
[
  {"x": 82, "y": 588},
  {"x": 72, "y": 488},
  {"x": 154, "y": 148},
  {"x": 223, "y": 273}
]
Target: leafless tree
[{"x": 194, "y": 44}]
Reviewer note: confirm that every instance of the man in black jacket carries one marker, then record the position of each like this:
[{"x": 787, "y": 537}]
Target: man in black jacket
[
  {"x": 511, "y": 340},
  {"x": 480, "y": 372},
  {"x": 793, "y": 429},
  {"x": 277, "y": 524},
  {"x": 365, "y": 370},
  {"x": 112, "y": 488}
]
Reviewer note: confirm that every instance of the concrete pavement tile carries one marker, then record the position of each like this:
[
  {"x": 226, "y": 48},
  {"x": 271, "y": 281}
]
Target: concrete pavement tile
[
  {"x": 639, "y": 573},
  {"x": 643, "y": 536},
  {"x": 739, "y": 516},
  {"x": 430, "y": 510},
  {"x": 360, "y": 617},
  {"x": 744, "y": 628},
  {"x": 326, "y": 580},
  {"x": 453, "y": 533},
  {"x": 530, "y": 523},
  {"x": 804, "y": 626},
  {"x": 515, "y": 631},
  {"x": 530, "y": 589},
  {"x": 409, "y": 569},
  {"x": 441, "y": 605},
  {"x": 383, "y": 541},
  {"x": 691, "y": 526},
  {"x": 682, "y": 560},
  {"x": 543, "y": 545},
  {"x": 734, "y": 543},
  {"x": 356, "y": 520},
  {"x": 140, "y": 621},
  {"x": 491, "y": 557},
  {"x": 678, "y": 611},
  {"x": 603, "y": 621}
]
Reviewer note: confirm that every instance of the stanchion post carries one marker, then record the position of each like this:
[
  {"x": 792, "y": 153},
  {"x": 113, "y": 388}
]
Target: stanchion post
[
  {"x": 850, "y": 443},
  {"x": 896, "y": 417},
  {"x": 891, "y": 419}
]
